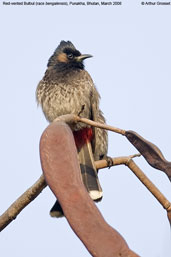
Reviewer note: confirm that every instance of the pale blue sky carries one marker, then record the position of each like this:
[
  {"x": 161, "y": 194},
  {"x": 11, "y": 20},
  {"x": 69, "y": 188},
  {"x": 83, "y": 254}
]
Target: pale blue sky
[{"x": 131, "y": 69}]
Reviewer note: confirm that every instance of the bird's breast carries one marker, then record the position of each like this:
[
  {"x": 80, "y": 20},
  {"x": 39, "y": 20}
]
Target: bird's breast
[{"x": 67, "y": 98}]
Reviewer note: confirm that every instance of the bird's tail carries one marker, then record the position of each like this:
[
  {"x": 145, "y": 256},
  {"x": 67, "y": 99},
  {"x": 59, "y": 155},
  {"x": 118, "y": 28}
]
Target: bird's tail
[
  {"x": 90, "y": 179},
  {"x": 88, "y": 170}
]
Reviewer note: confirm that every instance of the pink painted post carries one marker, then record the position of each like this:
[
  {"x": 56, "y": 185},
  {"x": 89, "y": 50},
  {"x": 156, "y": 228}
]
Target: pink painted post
[{"x": 62, "y": 173}]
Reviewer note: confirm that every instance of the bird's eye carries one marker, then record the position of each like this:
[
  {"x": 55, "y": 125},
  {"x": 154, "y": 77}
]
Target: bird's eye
[{"x": 70, "y": 56}]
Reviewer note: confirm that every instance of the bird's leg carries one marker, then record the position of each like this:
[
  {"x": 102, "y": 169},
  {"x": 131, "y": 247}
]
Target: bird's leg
[{"x": 82, "y": 109}]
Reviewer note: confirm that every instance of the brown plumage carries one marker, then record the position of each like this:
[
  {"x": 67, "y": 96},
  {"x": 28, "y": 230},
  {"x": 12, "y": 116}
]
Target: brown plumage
[{"x": 67, "y": 88}]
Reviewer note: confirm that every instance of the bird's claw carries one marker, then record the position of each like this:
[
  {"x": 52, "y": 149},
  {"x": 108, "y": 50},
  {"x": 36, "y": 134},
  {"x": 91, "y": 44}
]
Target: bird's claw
[{"x": 109, "y": 161}]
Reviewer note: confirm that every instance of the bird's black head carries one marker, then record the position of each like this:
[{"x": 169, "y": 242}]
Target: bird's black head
[{"x": 67, "y": 56}]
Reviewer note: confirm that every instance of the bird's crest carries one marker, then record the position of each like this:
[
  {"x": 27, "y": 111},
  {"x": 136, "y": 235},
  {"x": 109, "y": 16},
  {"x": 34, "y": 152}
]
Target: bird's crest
[{"x": 62, "y": 46}]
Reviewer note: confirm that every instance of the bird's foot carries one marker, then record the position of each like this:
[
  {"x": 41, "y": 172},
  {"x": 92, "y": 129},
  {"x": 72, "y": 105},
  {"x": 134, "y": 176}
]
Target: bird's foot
[{"x": 109, "y": 161}]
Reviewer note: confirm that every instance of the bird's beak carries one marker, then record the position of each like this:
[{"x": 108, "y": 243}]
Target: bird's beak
[{"x": 83, "y": 57}]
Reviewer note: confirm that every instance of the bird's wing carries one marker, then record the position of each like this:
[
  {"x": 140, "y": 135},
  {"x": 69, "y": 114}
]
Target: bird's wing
[
  {"x": 94, "y": 117},
  {"x": 100, "y": 139}
]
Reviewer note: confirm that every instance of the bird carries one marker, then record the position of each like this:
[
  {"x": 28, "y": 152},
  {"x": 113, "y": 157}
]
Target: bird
[{"x": 67, "y": 88}]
